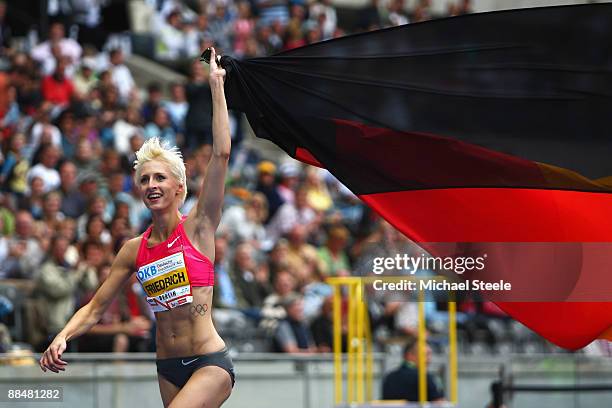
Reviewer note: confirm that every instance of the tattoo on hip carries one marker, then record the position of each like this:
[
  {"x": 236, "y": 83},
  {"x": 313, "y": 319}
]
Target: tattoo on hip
[{"x": 198, "y": 310}]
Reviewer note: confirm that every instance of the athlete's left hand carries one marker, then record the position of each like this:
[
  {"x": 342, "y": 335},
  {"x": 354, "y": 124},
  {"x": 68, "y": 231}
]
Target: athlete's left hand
[{"x": 217, "y": 74}]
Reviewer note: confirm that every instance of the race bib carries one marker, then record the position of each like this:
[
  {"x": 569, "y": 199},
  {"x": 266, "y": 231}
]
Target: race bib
[{"x": 166, "y": 282}]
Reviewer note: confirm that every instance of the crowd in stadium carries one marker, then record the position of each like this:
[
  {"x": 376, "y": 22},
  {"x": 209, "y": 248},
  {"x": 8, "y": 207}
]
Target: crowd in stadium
[{"x": 71, "y": 119}]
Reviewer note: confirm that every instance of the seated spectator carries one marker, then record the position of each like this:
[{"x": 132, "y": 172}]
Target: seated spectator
[
  {"x": 220, "y": 25},
  {"x": 333, "y": 254},
  {"x": 49, "y": 157},
  {"x": 313, "y": 286},
  {"x": 73, "y": 202},
  {"x": 51, "y": 210},
  {"x": 117, "y": 331},
  {"x": 271, "y": 11},
  {"x": 58, "y": 88},
  {"x": 154, "y": 101},
  {"x": 291, "y": 214},
  {"x": 244, "y": 28},
  {"x": 177, "y": 107},
  {"x": 121, "y": 75},
  {"x": 324, "y": 13},
  {"x": 292, "y": 334},
  {"x": 33, "y": 199},
  {"x": 128, "y": 124},
  {"x": 198, "y": 119},
  {"x": 251, "y": 288},
  {"x": 287, "y": 184},
  {"x": 273, "y": 310},
  {"x": 160, "y": 127},
  {"x": 44, "y": 129},
  {"x": 59, "y": 285},
  {"x": 85, "y": 79},
  {"x": 95, "y": 207},
  {"x": 397, "y": 15},
  {"x": 403, "y": 382},
  {"x": 317, "y": 194},
  {"x": 68, "y": 46},
  {"x": 299, "y": 251},
  {"x": 266, "y": 184},
  {"x": 171, "y": 41},
  {"x": 245, "y": 223},
  {"x": 322, "y": 328},
  {"x": 15, "y": 167}
]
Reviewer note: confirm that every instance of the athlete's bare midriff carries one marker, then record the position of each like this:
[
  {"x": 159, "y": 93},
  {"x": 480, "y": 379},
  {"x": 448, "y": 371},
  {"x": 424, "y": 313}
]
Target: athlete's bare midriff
[{"x": 188, "y": 330}]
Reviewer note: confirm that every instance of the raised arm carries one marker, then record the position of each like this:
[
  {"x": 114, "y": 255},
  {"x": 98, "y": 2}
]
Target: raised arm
[
  {"x": 87, "y": 316},
  {"x": 207, "y": 213}
]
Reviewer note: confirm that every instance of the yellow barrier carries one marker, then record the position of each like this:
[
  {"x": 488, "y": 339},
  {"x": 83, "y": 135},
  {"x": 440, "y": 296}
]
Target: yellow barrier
[{"x": 359, "y": 379}]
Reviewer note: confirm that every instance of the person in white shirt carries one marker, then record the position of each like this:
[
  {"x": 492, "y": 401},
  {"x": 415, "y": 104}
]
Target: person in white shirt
[
  {"x": 171, "y": 41},
  {"x": 46, "y": 168},
  {"x": 121, "y": 75},
  {"x": 68, "y": 47}
]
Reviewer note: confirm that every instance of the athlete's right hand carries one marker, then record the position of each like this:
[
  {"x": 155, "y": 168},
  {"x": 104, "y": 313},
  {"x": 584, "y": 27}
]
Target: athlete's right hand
[{"x": 51, "y": 358}]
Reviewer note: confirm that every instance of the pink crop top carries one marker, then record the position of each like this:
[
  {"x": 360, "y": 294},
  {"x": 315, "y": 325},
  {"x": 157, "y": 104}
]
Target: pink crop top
[{"x": 168, "y": 270}]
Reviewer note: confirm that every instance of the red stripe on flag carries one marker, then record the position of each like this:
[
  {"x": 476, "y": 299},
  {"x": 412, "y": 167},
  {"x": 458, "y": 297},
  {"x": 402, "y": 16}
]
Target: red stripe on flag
[
  {"x": 497, "y": 215},
  {"x": 305, "y": 156}
]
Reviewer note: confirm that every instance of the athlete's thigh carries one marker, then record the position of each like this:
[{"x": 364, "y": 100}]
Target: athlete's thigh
[
  {"x": 167, "y": 390},
  {"x": 208, "y": 387}
]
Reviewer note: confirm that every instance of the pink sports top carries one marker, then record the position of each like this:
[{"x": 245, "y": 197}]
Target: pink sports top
[{"x": 168, "y": 270}]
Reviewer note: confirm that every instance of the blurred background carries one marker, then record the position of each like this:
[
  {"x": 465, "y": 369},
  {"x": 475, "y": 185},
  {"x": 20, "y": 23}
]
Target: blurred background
[{"x": 83, "y": 83}]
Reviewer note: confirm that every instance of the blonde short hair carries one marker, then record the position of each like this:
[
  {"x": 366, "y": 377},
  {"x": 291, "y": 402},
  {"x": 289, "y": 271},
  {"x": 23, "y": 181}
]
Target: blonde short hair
[{"x": 153, "y": 149}]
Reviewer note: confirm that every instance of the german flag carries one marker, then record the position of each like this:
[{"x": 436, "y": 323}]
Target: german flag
[{"x": 492, "y": 129}]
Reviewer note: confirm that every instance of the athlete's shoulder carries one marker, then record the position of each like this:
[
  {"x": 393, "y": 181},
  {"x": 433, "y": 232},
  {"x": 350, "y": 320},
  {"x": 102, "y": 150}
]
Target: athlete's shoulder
[{"x": 129, "y": 251}]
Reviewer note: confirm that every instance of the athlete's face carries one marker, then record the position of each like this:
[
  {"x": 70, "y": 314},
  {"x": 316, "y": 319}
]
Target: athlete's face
[{"x": 158, "y": 187}]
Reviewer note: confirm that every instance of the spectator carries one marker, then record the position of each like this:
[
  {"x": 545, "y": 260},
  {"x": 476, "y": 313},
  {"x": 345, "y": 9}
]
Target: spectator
[
  {"x": 324, "y": 13},
  {"x": 160, "y": 127},
  {"x": 171, "y": 42},
  {"x": 220, "y": 26},
  {"x": 177, "y": 107},
  {"x": 396, "y": 15},
  {"x": 403, "y": 383},
  {"x": 333, "y": 255},
  {"x": 244, "y": 28},
  {"x": 121, "y": 75},
  {"x": 250, "y": 288},
  {"x": 59, "y": 284},
  {"x": 273, "y": 11},
  {"x": 292, "y": 334},
  {"x": 245, "y": 223},
  {"x": 317, "y": 195},
  {"x": 272, "y": 310},
  {"x": 154, "y": 100},
  {"x": 289, "y": 215},
  {"x": 13, "y": 176},
  {"x": 57, "y": 88},
  {"x": 299, "y": 251},
  {"x": 73, "y": 202},
  {"x": 128, "y": 124},
  {"x": 85, "y": 79},
  {"x": 266, "y": 171},
  {"x": 51, "y": 210},
  {"x": 50, "y": 156},
  {"x": 198, "y": 120},
  {"x": 43, "y": 131},
  {"x": 289, "y": 172},
  {"x": 322, "y": 328},
  {"x": 67, "y": 46},
  {"x": 25, "y": 254}
]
